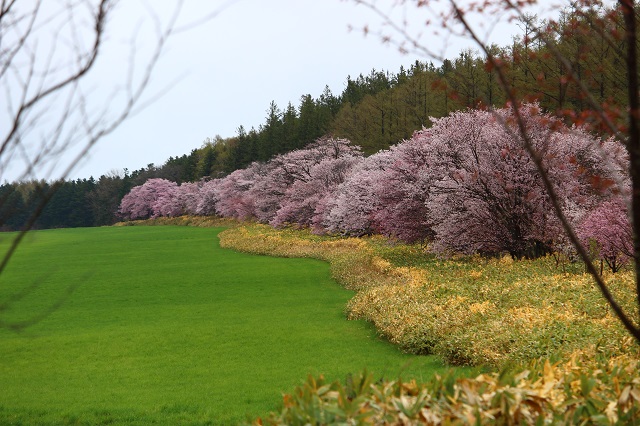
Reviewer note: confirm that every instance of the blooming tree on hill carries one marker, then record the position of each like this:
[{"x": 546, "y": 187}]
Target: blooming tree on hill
[
  {"x": 304, "y": 201},
  {"x": 190, "y": 195},
  {"x": 285, "y": 170},
  {"x": 232, "y": 193},
  {"x": 267, "y": 193},
  {"x": 607, "y": 226},
  {"x": 141, "y": 201},
  {"x": 403, "y": 190},
  {"x": 350, "y": 207},
  {"x": 487, "y": 194},
  {"x": 177, "y": 200},
  {"x": 208, "y": 198}
]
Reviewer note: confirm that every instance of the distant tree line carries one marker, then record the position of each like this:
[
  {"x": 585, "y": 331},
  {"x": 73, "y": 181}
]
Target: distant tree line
[
  {"x": 374, "y": 112},
  {"x": 75, "y": 203}
]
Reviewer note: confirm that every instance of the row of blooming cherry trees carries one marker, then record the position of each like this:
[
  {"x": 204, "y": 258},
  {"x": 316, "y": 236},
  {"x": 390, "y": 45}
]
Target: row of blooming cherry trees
[{"x": 465, "y": 185}]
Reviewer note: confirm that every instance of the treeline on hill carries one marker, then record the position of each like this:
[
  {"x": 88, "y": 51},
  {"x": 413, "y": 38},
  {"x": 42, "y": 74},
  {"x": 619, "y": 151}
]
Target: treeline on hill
[
  {"x": 373, "y": 111},
  {"x": 74, "y": 203}
]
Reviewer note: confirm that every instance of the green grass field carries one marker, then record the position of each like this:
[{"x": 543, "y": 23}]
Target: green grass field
[{"x": 165, "y": 327}]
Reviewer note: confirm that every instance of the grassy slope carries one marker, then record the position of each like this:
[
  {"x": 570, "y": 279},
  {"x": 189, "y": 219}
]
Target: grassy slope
[{"x": 165, "y": 326}]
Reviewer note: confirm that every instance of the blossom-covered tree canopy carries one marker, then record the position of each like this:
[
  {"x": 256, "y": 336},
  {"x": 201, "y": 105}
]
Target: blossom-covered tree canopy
[
  {"x": 608, "y": 227},
  {"x": 140, "y": 202},
  {"x": 272, "y": 193},
  {"x": 465, "y": 185},
  {"x": 350, "y": 207}
]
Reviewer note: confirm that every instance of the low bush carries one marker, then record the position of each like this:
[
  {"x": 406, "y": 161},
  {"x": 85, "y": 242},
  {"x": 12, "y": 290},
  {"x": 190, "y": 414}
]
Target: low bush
[{"x": 200, "y": 221}]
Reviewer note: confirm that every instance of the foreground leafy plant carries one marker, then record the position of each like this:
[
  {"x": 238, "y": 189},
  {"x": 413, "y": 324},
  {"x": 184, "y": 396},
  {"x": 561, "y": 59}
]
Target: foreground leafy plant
[{"x": 569, "y": 393}]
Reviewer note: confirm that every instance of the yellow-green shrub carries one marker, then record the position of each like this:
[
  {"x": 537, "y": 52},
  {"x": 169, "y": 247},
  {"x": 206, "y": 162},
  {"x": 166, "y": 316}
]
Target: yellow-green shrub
[{"x": 201, "y": 221}]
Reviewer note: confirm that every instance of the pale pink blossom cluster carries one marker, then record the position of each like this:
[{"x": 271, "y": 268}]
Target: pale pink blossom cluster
[
  {"x": 148, "y": 200},
  {"x": 607, "y": 231},
  {"x": 286, "y": 190},
  {"x": 465, "y": 185}
]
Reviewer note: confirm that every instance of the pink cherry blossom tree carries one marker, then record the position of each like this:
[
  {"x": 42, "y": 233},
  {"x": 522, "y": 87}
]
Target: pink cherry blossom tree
[
  {"x": 168, "y": 203},
  {"x": 207, "y": 198},
  {"x": 608, "y": 227},
  {"x": 349, "y": 209},
  {"x": 285, "y": 170},
  {"x": 177, "y": 200},
  {"x": 487, "y": 194},
  {"x": 304, "y": 201},
  {"x": 403, "y": 190},
  {"x": 268, "y": 191},
  {"x": 232, "y": 192},
  {"x": 140, "y": 202},
  {"x": 190, "y": 196}
]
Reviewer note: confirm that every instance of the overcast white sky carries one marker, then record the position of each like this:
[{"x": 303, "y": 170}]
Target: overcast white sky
[{"x": 225, "y": 72}]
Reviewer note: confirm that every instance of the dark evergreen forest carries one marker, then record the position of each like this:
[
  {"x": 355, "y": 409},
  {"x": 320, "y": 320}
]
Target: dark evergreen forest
[{"x": 375, "y": 111}]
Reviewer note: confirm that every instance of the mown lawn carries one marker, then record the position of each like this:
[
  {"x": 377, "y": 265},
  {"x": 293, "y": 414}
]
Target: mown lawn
[{"x": 163, "y": 326}]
